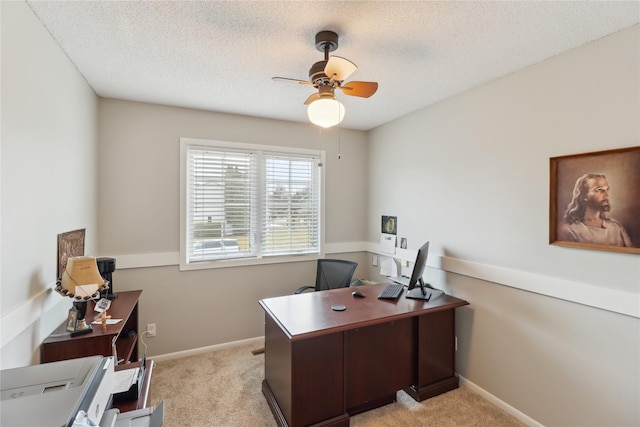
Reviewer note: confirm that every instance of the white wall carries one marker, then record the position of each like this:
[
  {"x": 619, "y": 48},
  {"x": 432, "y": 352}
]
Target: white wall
[
  {"x": 139, "y": 219},
  {"x": 477, "y": 186},
  {"x": 48, "y": 178}
]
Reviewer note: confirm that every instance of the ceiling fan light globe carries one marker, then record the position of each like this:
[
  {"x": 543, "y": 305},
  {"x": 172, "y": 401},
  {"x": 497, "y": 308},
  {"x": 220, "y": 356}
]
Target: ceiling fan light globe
[{"x": 326, "y": 112}]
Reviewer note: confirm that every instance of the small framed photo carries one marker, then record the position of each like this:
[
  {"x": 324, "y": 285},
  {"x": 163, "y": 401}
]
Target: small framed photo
[
  {"x": 389, "y": 224},
  {"x": 72, "y": 318},
  {"x": 595, "y": 199}
]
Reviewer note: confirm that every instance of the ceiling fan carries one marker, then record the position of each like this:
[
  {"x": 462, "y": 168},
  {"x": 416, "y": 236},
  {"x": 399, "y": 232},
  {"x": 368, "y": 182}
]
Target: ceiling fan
[{"x": 327, "y": 76}]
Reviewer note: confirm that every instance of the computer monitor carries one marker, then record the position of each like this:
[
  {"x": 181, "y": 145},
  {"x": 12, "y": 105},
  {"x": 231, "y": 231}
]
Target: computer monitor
[
  {"x": 418, "y": 268},
  {"x": 425, "y": 291}
]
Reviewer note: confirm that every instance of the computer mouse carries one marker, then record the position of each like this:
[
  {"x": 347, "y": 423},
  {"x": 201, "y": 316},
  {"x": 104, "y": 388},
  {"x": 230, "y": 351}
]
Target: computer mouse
[{"x": 357, "y": 294}]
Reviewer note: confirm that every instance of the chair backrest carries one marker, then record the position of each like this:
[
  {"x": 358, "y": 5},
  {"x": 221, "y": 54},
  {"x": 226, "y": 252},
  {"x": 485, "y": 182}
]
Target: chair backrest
[{"x": 334, "y": 273}]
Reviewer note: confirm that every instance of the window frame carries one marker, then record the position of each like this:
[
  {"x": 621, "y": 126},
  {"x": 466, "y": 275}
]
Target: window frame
[{"x": 258, "y": 260}]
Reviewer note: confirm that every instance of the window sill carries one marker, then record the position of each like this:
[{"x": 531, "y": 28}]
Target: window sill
[{"x": 243, "y": 262}]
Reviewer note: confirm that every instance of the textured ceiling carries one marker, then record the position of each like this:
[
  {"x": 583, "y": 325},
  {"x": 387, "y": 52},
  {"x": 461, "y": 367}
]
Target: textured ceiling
[{"x": 221, "y": 55}]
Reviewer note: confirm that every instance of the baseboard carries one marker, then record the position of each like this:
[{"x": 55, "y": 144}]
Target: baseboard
[
  {"x": 499, "y": 403},
  {"x": 258, "y": 341}
]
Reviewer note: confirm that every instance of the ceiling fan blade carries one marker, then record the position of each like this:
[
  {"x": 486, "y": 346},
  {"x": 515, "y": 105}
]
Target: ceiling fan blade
[
  {"x": 287, "y": 79},
  {"x": 339, "y": 68},
  {"x": 361, "y": 89},
  {"x": 312, "y": 98}
]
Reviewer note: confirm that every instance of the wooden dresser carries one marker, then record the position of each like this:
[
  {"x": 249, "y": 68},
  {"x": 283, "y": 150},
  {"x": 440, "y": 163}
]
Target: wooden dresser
[{"x": 123, "y": 336}]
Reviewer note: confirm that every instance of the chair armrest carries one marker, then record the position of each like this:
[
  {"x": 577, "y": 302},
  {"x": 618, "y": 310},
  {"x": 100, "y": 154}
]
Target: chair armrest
[{"x": 302, "y": 289}]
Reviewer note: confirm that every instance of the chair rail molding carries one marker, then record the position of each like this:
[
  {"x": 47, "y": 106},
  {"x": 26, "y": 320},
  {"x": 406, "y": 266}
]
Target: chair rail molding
[{"x": 621, "y": 302}]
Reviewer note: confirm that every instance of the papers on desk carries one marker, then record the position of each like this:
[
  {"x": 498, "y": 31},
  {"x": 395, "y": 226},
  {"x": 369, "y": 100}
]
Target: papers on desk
[
  {"x": 388, "y": 266},
  {"x": 403, "y": 280},
  {"x": 109, "y": 321},
  {"x": 124, "y": 379}
]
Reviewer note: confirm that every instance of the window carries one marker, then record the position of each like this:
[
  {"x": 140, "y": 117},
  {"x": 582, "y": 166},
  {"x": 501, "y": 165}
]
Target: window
[{"x": 248, "y": 202}]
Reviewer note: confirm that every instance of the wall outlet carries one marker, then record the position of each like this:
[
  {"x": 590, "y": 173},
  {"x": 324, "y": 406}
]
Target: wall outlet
[
  {"x": 374, "y": 260},
  {"x": 151, "y": 329},
  {"x": 456, "y": 343}
]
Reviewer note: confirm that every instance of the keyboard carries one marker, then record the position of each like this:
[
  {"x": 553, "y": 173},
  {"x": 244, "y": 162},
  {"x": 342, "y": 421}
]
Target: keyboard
[{"x": 392, "y": 291}]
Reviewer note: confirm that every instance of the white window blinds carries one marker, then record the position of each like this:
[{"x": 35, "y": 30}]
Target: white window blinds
[
  {"x": 250, "y": 201},
  {"x": 291, "y": 204}
]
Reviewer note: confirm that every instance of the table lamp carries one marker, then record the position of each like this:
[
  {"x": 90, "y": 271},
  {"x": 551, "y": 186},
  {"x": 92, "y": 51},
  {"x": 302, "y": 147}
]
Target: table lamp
[{"x": 81, "y": 281}]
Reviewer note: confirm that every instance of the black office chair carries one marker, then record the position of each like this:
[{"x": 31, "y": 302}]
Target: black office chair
[{"x": 331, "y": 274}]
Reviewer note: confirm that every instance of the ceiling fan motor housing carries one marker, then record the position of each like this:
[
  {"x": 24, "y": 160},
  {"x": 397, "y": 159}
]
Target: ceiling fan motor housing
[
  {"x": 326, "y": 41},
  {"x": 317, "y": 75}
]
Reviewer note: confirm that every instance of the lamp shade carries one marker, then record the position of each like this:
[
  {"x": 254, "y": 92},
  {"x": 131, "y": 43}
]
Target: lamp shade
[
  {"x": 326, "y": 112},
  {"x": 81, "y": 279}
]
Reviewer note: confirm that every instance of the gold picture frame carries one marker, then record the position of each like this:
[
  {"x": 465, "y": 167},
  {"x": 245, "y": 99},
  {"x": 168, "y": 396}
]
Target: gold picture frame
[
  {"x": 574, "y": 181},
  {"x": 70, "y": 244}
]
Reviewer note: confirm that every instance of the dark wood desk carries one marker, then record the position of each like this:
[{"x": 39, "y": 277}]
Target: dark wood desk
[
  {"x": 61, "y": 346},
  {"x": 321, "y": 365}
]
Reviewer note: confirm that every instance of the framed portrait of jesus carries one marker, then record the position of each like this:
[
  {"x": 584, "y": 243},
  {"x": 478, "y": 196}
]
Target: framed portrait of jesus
[{"x": 595, "y": 200}]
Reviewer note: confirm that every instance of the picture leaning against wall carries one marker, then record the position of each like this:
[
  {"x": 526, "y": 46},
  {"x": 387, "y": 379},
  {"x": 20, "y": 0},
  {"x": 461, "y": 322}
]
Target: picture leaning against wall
[{"x": 595, "y": 200}]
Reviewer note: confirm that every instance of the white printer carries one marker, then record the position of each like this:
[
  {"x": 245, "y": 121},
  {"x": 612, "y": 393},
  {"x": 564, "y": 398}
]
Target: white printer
[{"x": 72, "y": 393}]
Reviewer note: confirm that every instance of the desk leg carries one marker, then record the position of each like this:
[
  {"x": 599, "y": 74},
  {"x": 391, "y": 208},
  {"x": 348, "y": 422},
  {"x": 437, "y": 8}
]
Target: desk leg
[{"x": 436, "y": 355}]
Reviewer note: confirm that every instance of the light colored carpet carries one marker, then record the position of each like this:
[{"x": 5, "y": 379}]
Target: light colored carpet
[{"x": 222, "y": 388}]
